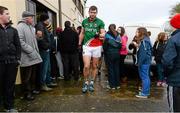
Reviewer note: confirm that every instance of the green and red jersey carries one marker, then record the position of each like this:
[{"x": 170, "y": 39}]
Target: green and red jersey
[{"x": 91, "y": 28}]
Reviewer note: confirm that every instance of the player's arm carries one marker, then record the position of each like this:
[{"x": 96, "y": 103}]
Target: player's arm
[{"x": 81, "y": 36}]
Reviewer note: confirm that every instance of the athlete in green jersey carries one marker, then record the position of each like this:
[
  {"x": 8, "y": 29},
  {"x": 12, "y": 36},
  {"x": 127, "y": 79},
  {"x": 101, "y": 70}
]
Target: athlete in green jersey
[
  {"x": 92, "y": 36},
  {"x": 92, "y": 28}
]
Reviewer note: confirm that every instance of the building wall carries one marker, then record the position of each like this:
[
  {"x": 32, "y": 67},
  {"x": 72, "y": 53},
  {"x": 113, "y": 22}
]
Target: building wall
[
  {"x": 16, "y": 7},
  {"x": 70, "y": 12}
]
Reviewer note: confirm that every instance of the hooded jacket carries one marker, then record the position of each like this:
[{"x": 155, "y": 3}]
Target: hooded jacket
[
  {"x": 171, "y": 59},
  {"x": 112, "y": 44},
  {"x": 30, "y": 52}
]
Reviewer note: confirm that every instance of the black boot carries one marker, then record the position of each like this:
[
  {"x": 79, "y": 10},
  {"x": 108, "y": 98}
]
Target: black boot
[{"x": 29, "y": 97}]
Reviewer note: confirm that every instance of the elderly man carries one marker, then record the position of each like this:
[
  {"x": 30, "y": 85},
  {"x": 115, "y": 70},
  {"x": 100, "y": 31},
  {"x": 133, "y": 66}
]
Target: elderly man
[{"x": 30, "y": 56}]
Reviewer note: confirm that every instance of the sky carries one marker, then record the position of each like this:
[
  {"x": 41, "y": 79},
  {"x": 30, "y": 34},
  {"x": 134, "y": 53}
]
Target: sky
[{"x": 122, "y": 12}]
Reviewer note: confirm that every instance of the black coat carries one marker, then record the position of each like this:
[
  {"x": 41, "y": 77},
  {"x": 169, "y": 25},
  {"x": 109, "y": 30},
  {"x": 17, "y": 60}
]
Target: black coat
[
  {"x": 158, "y": 50},
  {"x": 10, "y": 48},
  {"x": 68, "y": 41},
  {"x": 44, "y": 41},
  {"x": 171, "y": 59}
]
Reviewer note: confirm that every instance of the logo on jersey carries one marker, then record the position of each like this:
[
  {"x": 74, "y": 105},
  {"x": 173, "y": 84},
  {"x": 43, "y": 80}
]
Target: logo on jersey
[{"x": 95, "y": 25}]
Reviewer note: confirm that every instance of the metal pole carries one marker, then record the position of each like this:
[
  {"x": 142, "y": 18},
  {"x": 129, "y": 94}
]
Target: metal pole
[{"x": 60, "y": 15}]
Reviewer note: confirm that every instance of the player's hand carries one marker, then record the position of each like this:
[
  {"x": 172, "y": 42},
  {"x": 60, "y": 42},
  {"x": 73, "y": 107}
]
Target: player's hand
[{"x": 101, "y": 38}]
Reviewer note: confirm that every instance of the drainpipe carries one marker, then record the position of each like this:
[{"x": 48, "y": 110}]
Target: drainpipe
[{"x": 60, "y": 15}]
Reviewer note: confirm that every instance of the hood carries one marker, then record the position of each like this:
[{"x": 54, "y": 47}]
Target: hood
[
  {"x": 22, "y": 21},
  {"x": 175, "y": 32}
]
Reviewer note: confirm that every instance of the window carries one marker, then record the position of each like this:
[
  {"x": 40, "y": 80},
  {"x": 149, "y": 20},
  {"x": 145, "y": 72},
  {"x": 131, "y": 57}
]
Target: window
[
  {"x": 79, "y": 6},
  {"x": 31, "y": 7}
]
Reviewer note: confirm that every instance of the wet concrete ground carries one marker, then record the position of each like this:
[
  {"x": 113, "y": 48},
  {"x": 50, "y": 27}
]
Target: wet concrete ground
[{"x": 67, "y": 97}]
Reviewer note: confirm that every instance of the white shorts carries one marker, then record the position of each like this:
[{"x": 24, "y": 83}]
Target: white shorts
[{"x": 94, "y": 52}]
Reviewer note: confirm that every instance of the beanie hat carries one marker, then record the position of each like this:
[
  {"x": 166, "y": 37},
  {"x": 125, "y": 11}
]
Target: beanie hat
[
  {"x": 175, "y": 21},
  {"x": 59, "y": 30},
  {"x": 49, "y": 27},
  {"x": 44, "y": 17}
]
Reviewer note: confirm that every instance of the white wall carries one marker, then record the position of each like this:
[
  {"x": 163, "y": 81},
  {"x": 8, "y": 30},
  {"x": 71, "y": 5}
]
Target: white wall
[{"x": 70, "y": 12}]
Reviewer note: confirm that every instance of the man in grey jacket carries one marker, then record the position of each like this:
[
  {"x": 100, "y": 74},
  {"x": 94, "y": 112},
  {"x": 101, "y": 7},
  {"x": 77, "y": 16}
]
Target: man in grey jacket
[{"x": 30, "y": 56}]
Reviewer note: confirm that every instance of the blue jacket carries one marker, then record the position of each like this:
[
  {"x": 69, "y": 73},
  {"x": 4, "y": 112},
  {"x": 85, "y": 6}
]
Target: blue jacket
[
  {"x": 144, "y": 54},
  {"x": 171, "y": 59}
]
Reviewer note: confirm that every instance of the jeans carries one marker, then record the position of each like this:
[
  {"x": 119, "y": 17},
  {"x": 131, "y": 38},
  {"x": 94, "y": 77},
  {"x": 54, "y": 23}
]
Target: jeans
[
  {"x": 160, "y": 72},
  {"x": 144, "y": 75},
  {"x": 45, "y": 68},
  {"x": 113, "y": 69}
]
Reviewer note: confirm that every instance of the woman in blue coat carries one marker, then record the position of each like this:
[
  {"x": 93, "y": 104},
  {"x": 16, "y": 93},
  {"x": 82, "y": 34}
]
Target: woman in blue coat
[{"x": 144, "y": 57}]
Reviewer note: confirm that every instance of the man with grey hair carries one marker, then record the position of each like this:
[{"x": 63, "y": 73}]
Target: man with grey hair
[{"x": 30, "y": 56}]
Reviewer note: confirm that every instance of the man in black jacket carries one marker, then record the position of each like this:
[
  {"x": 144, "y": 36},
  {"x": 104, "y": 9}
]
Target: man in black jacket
[
  {"x": 171, "y": 62},
  {"x": 69, "y": 50},
  {"x": 44, "y": 50},
  {"x": 10, "y": 52}
]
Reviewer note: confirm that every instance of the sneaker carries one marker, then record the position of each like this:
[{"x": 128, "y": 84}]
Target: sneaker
[
  {"x": 11, "y": 110},
  {"x": 113, "y": 88},
  {"x": 108, "y": 87},
  {"x": 53, "y": 78},
  {"x": 85, "y": 88},
  {"x": 163, "y": 84},
  {"x": 45, "y": 88},
  {"x": 141, "y": 95},
  {"x": 52, "y": 84},
  {"x": 91, "y": 86},
  {"x": 118, "y": 87},
  {"x": 61, "y": 77},
  {"x": 159, "y": 83},
  {"x": 36, "y": 92}
]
